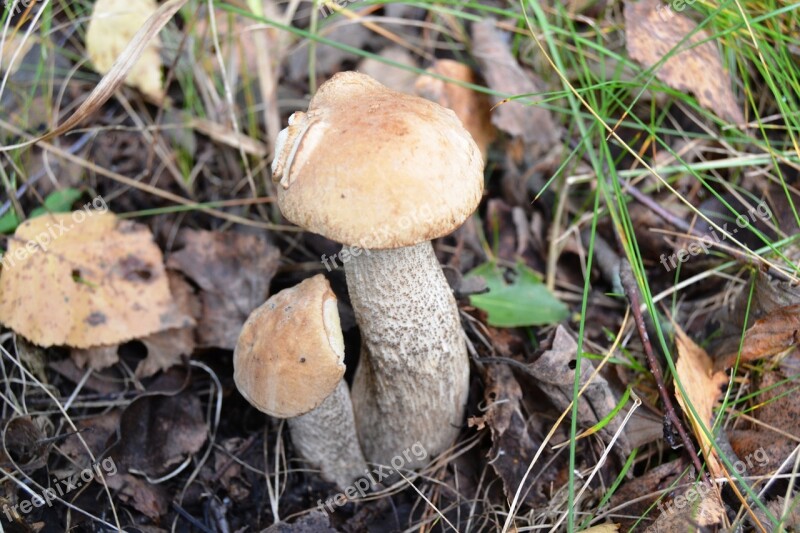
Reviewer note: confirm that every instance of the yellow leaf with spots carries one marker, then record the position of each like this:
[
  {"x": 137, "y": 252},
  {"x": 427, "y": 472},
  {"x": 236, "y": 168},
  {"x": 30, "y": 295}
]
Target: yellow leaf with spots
[
  {"x": 85, "y": 279},
  {"x": 111, "y": 28}
]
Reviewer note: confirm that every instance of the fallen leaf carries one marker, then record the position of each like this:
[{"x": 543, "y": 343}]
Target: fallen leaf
[
  {"x": 15, "y": 48},
  {"x": 392, "y": 76},
  {"x": 112, "y": 26},
  {"x": 602, "y": 528},
  {"x": 513, "y": 446},
  {"x": 166, "y": 348},
  {"x": 638, "y": 495},
  {"x": 157, "y": 432},
  {"x": 150, "y": 500},
  {"x": 761, "y": 451},
  {"x": 326, "y": 58},
  {"x": 229, "y": 471},
  {"x": 313, "y": 522},
  {"x": 233, "y": 271},
  {"x": 555, "y": 372},
  {"x": 788, "y": 512},
  {"x": 23, "y": 445},
  {"x": 95, "y": 432},
  {"x": 83, "y": 280},
  {"x": 533, "y": 124},
  {"x": 695, "y": 67},
  {"x": 97, "y": 382},
  {"x": 777, "y": 404},
  {"x": 96, "y": 357},
  {"x": 774, "y": 333},
  {"x": 694, "y": 370},
  {"x": 471, "y": 107},
  {"x": 524, "y": 302},
  {"x": 696, "y": 508}
]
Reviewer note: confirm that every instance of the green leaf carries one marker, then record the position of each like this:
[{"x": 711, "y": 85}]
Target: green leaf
[
  {"x": 9, "y": 221},
  {"x": 525, "y": 302},
  {"x": 56, "y": 202}
]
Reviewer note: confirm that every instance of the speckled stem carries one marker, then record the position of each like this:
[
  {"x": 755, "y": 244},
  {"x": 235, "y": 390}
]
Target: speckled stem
[
  {"x": 326, "y": 437},
  {"x": 412, "y": 380}
]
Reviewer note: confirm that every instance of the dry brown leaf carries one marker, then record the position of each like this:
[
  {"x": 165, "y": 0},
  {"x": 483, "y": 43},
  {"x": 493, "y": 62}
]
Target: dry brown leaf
[
  {"x": 14, "y": 50},
  {"x": 770, "y": 335},
  {"x": 96, "y": 357},
  {"x": 95, "y": 432},
  {"x": 392, "y": 76},
  {"x": 703, "y": 386},
  {"x": 602, "y": 528},
  {"x": 532, "y": 124},
  {"x": 100, "y": 281},
  {"x": 696, "y": 509},
  {"x": 556, "y": 376},
  {"x": 22, "y": 444},
  {"x": 472, "y": 108},
  {"x": 696, "y": 68},
  {"x": 513, "y": 442},
  {"x": 166, "y": 348},
  {"x": 639, "y": 495},
  {"x": 313, "y": 522},
  {"x": 97, "y": 382},
  {"x": 788, "y": 512},
  {"x": 761, "y": 451},
  {"x": 229, "y": 470},
  {"x": 156, "y": 433},
  {"x": 111, "y": 28},
  {"x": 233, "y": 271}
]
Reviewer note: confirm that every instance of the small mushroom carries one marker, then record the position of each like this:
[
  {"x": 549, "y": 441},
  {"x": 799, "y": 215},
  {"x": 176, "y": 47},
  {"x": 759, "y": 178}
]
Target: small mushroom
[
  {"x": 384, "y": 173},
  {"x": 289, "y": 363}
]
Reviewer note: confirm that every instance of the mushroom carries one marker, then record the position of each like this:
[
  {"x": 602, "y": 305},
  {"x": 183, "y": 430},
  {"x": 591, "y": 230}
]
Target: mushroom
[
  {"x": 289, "y": 363},
  {"x": 384, "y": 173}
]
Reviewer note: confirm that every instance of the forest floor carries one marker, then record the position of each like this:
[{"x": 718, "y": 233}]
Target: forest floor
[{"x": 639, "y": 223}]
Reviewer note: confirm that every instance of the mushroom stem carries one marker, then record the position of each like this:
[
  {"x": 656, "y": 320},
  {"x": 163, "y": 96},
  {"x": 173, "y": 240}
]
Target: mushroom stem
[
  {"x": 326, "y": 437},
  {"x": 412, "y": 381}
]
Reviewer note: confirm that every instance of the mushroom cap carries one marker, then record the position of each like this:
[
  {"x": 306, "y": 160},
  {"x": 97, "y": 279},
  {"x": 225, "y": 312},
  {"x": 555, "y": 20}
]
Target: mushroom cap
[
  {"x": 290, "y": 353},
  {"x": 367, "y": 166}
]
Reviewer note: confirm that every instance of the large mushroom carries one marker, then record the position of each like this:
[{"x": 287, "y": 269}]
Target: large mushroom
[
  {"x": 384, "y": 173},
  {"x": 289, "y": 363}
]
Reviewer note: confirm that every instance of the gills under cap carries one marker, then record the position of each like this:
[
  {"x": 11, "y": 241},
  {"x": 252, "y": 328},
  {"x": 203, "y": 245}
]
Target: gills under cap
[
  {"x": 368, "y": 166},
  {"x": 290, "y": 353}
]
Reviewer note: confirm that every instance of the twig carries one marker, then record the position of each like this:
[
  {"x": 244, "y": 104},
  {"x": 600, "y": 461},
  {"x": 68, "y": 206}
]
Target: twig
[{"x": 632, "y": 292}]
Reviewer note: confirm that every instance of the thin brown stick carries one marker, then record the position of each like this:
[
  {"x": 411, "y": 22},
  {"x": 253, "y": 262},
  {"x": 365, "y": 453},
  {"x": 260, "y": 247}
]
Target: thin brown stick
[{"x": 632, "y": 292}]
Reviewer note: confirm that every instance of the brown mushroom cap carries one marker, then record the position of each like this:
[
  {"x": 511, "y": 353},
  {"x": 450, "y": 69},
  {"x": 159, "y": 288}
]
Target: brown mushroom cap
[
  {"x": 290, "y": 353},
  {"x": 367, "y": 166}
]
